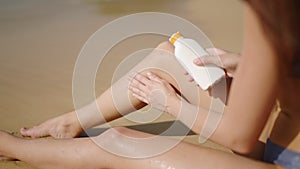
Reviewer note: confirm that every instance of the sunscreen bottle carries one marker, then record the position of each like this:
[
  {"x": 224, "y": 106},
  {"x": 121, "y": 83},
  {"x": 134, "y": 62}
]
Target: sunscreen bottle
[{"x": 186, "y": 51}]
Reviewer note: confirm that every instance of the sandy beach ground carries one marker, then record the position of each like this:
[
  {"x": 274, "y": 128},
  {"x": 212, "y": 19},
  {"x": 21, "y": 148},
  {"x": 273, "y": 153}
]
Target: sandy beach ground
[{"x": 40, "y": 41}]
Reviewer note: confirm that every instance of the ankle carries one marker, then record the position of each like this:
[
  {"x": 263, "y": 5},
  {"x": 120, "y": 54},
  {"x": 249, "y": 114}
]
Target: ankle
[{"x": 72, "y": 121}]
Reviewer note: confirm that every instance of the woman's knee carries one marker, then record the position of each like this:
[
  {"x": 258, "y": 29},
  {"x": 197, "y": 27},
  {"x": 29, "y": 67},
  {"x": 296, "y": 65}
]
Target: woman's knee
[
  {"x": 161, "y": 56},
  {"x": 166, "y": 46}
]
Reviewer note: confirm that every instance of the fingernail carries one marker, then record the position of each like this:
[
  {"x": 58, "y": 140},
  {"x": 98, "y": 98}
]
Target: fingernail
[{"x": 197, "y": 61}]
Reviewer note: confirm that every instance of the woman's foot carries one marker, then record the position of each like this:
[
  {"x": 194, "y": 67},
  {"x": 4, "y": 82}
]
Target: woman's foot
[{"x": 64, "y": 126}]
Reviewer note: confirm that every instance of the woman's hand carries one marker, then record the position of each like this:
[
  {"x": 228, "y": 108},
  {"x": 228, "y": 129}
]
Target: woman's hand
[
  {"x": 221, "y": 58},
  {"x": 155, "y": 91}
]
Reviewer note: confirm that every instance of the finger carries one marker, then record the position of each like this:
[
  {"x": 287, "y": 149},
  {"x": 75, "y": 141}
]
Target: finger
[
  {"x": 141, "y": 78},
  {"x": 190, "y": 79},
  {"x": 137, "y": 84},
  {"x": 134, "y": 90},
  {"x": 229, "y": 74},
  {"x": 138, "y": 77},
  {"x": 137, "y": 91},
  {"x": 154, "y": 77},
  {"x": 215, "y": 51},
  {"x": 206, "y": 60},
  {"x": 140, "y": 98}
]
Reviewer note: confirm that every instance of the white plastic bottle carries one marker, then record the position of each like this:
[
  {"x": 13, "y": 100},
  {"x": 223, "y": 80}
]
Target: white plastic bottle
[{"x": 186, "y": 50}]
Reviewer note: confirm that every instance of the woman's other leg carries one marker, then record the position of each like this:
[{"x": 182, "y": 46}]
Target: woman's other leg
[
  {"x": 161, "y": 61},
  {"x": 84, "y": 153}
]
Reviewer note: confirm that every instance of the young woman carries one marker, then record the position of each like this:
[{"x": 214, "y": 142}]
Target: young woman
[{"x": 269, "y": 69}]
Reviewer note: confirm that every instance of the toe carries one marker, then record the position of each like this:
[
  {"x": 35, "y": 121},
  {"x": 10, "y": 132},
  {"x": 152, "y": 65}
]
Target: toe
[
  {"x": 27, "y": 132},
  {"x": 34, "y": 132},
  {"x": 24, "y": 131}
]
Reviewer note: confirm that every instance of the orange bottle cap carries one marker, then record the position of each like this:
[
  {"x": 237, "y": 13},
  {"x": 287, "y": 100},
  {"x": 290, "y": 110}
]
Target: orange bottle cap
[{"x": 174, "y": 37}]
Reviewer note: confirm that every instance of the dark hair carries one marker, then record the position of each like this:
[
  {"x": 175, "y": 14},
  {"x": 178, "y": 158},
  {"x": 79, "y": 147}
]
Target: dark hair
[{"x": 280, "y": 20}]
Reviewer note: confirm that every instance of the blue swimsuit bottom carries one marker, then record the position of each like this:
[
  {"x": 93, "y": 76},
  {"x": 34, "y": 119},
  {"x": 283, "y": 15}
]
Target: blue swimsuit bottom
[{"x": 276, "y": 154}]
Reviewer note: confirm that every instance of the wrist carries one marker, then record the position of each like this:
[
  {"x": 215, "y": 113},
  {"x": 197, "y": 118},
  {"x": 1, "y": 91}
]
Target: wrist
[{"x": 174, "y": 107}]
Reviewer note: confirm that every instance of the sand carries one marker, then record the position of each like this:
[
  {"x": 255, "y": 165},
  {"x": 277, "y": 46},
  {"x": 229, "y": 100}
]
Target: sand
[{"x": 40, "y": 42}]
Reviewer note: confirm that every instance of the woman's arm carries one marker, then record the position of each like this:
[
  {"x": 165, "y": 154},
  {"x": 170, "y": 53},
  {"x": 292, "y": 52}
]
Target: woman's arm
[
  {"x": 253, "y": 91},
  {"x": 251, "y": 99}
]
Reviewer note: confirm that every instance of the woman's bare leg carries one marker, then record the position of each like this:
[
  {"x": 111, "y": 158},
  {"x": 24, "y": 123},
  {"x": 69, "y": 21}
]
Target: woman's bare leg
[
  {"x": 160, "y": 61},
  {"x": 84, "y": 153},
  {"x": 57, "y": 154}
]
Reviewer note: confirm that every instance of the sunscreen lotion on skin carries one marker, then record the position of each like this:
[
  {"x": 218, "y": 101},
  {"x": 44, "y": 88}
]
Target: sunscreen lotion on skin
[{"x": 186, "y": 51}]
